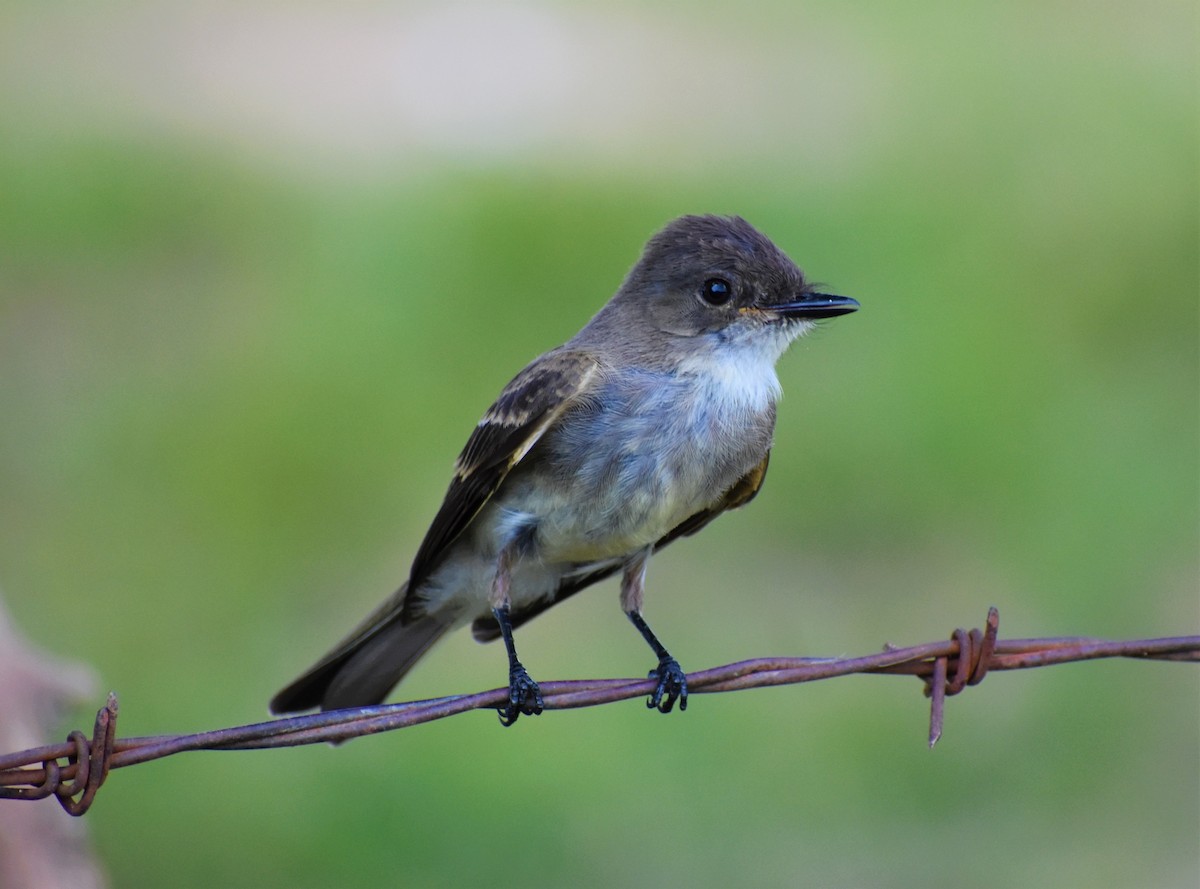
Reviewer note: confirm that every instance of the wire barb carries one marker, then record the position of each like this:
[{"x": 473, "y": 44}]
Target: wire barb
[
  {"x": 969, "y": 656},
  {"x": 971, "y": 659},
  {"x": 87, "y": 766}
]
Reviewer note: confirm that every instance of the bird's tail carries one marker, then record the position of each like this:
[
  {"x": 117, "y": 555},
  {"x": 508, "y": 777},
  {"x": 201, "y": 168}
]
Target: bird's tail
[{"x": 366, "y": 666}]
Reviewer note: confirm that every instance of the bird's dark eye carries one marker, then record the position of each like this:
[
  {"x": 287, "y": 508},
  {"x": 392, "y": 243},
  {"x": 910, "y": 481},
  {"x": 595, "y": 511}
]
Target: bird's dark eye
[{"x": 716, "y": 292}]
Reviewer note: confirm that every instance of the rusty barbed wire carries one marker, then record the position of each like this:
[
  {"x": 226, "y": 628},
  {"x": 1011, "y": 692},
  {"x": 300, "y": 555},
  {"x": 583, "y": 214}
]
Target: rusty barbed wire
[{"x": 945, "y": 667}]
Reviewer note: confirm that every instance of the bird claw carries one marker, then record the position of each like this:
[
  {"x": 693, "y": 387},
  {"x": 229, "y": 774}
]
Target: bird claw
[
  {"x": 672, "y": 686},
  {"x": 524, "y": 697}
]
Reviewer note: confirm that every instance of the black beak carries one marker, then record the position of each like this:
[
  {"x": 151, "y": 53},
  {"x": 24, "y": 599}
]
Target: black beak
[{"x": 817, "y": 305}]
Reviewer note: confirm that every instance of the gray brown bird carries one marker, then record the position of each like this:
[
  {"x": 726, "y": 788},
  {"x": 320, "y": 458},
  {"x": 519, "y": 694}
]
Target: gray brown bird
[{"x": 645, "y": 426}]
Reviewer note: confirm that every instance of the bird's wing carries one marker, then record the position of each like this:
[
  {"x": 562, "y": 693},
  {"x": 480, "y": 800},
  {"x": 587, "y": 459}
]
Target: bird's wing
[
  {"x": 364, "y": 666},
  {"x": 739, "y": 494},
  {"x": 527, "y": 407}
]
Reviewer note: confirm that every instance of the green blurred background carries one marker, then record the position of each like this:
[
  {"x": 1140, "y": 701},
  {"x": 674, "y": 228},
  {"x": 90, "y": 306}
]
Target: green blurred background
[{"x": 262, "y": 266}]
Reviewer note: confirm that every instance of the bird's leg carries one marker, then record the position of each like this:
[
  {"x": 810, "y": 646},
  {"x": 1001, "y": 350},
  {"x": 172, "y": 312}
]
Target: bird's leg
[
  {"x": 672, "y": 682},
  {"x": 524, "y": 696}
]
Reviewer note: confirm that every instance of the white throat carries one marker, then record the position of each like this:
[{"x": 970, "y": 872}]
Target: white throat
[{"x": 737, "y": 378}]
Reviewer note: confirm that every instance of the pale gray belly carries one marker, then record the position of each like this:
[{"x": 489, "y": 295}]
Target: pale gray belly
[{"x": 620, "y": 472}]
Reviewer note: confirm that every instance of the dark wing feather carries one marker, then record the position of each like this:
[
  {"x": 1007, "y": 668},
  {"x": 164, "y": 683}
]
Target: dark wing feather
[
  {"x": 535, "y": 398},
  {"x": 742, "y": 492}
]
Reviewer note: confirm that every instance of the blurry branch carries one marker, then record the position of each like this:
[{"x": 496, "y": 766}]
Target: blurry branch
[
  {"x": 40, "y": 847},
  {"x": 945, "y": 667}
]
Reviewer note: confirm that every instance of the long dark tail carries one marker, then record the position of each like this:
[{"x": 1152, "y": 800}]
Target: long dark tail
[{"x": 366, "y": 666}]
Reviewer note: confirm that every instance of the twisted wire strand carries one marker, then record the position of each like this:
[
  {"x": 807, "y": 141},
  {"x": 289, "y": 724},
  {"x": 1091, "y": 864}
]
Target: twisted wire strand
[{"x": 73, "y": 771}]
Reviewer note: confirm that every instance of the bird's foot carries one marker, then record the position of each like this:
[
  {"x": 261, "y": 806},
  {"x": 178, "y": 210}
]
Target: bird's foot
[
  {"x": 524, "y": 697},
  {"x": 672, "y": 686}
]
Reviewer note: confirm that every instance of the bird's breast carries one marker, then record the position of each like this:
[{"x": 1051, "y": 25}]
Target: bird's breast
[{"x": 646, "y": 452}]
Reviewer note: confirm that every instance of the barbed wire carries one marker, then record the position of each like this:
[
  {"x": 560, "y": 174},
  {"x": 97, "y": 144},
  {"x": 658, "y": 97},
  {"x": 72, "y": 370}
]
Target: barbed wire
[{"x": 946, "y": 668}]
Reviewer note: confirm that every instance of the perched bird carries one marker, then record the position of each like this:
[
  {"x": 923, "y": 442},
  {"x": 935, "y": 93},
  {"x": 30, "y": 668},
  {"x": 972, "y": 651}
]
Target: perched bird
[{"x": 645, "y": 426}]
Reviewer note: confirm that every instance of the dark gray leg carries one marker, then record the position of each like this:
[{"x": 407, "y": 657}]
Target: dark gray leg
[{"x": 672, "y": 681}]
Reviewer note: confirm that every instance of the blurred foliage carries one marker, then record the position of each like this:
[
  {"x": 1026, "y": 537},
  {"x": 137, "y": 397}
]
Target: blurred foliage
[{"x": 230, "y": 397}]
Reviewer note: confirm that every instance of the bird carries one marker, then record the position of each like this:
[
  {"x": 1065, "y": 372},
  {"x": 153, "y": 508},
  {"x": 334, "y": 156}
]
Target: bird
[{"x": 655, "y": 418}]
